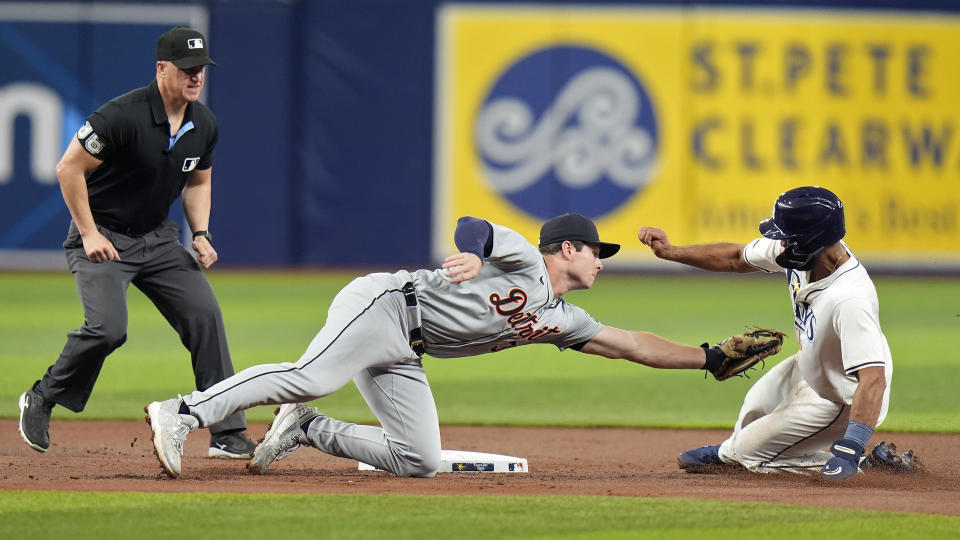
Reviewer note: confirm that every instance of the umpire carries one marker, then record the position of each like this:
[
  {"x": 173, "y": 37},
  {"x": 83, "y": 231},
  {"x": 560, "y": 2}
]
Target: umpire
[{"x": 131, "y": 159}]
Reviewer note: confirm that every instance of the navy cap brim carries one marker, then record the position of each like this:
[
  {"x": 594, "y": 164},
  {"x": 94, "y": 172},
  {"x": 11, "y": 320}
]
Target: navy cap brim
[{"x": 769, "y": 229}]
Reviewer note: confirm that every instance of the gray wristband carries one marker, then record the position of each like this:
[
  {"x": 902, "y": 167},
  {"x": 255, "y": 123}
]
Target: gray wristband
[{"x": 858, "y": 432}]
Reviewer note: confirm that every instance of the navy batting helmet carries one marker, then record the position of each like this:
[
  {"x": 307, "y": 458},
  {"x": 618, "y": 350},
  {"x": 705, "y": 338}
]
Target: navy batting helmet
[{"x": 809, "y": 219}]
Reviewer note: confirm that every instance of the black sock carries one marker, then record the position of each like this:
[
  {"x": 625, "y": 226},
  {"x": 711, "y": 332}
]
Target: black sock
[
  {"x": 184, "y": 409},
  {"x": 306, "y": 425}
]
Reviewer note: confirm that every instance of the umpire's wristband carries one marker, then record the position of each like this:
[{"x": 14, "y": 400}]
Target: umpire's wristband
[
  {"x": 715, "y": 358},
  {"x": 204, "y": 234}
]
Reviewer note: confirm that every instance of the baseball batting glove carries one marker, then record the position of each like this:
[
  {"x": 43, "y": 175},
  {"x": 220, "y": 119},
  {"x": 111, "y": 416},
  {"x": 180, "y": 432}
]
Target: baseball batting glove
[
  {"x": 847, "y": 451},
  {"x": 734, "y": 355},
  {"x": 845, "y": 461}
]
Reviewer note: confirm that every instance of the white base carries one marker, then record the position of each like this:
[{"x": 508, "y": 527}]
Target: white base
[{"x": 464, "y": 461}]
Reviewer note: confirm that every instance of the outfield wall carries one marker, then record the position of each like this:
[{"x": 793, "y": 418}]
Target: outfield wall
[{"x": 354, "y": 132}]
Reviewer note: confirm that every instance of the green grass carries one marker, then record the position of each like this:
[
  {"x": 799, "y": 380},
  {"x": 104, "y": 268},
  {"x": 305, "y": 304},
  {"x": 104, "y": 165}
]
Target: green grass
[
  {"x": 271, "y": 317},
  {"x": 183, "y": 516}
]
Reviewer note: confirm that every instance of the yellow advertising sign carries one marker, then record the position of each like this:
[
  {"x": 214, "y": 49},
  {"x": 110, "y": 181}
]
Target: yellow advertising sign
[{"x": 694, "y": 121}]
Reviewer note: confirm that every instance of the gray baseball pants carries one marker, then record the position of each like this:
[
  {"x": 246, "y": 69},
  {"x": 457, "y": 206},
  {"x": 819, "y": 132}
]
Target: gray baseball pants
[
  {"x": 366, "y": 339},
  {"x": 158, "y": 265}
]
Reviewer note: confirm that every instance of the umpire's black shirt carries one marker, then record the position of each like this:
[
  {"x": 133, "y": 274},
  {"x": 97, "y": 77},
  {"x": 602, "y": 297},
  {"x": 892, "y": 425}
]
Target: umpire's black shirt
[{"x": 144, "y": 169}]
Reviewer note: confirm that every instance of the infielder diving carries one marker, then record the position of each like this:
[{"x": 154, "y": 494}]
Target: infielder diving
[
  {"x": 498, "y": 292},
  {"x": 816, "y": 410}
]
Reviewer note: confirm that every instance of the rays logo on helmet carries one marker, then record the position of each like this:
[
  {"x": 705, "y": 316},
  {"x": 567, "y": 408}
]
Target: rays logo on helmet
[{"x": 567, "y": 123}]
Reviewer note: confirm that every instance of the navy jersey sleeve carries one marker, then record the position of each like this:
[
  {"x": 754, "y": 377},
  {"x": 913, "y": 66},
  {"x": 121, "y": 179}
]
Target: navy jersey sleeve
[{"x": 475, "y": 236}]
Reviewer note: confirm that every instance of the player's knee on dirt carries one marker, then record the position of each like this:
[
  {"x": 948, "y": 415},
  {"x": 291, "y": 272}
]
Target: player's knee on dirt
[{"x": 422, "y": 464}]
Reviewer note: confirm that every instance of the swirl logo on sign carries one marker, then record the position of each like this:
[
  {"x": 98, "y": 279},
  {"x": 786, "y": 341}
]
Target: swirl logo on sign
[{"x": 567, "y": 129}]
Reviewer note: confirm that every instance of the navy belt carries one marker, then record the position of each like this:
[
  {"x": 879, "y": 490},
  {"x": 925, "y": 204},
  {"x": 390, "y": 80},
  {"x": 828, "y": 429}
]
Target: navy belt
[{"x": 416, "y": 334}]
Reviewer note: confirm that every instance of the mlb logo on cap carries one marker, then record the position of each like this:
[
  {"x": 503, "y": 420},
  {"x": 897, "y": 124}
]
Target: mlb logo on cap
[{"x": 184, "y": 47}]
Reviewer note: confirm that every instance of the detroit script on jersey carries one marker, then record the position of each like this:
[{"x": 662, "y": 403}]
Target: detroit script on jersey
[
  {"x": 510, "y": 303},
  {"x": 523, "y": 323}
]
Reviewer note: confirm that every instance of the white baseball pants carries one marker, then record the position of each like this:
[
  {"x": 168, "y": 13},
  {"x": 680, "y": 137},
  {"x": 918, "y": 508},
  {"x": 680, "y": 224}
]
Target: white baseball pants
[{"x": 784, "y": 425}]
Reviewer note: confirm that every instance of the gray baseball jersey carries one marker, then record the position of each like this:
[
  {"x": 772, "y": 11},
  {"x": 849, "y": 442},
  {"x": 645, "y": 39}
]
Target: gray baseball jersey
[
  {"x": 367, "y": 337},
  {"x": 509, "y": 303}
]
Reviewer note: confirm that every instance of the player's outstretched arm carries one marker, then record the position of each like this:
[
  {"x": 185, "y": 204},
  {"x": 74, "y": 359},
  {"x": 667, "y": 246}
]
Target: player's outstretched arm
[
  {"x": 716, "y": 257},
  {"x": 730, "y": 358},
  {"x": 645, "y": 348}
]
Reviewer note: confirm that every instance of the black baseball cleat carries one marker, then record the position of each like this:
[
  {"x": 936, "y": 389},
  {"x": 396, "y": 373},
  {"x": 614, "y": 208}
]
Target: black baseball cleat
[
  {"x": 231, "y": 445},
  {"x": 885, "y": 456},
  {"x": 35, "y": 420}
]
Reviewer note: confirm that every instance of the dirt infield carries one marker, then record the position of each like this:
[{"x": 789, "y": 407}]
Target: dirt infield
[{"x": 118, "y": 456}]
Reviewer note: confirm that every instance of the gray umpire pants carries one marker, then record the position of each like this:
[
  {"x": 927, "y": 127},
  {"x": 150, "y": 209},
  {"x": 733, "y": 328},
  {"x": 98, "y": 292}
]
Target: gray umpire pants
[
  {"x": 158, "y": 265},
  {"x": 366, "y": 338}
]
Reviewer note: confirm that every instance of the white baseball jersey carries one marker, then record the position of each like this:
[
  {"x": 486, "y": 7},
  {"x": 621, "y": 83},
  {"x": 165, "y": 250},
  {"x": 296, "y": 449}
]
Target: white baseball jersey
[
  {"x": 836, "y": 322},
  {"x": 795, "y": 411}
]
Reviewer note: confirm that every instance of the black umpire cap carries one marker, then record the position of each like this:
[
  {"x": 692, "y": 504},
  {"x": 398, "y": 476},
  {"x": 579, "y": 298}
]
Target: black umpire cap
[
  {"x": 575, "y": 227},
  {"x": 185, "y": 47}
]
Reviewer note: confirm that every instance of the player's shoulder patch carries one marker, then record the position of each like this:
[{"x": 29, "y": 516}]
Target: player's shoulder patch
[
  {"x": 85, "y": 130},
  {"x": 91, "y": 141}
]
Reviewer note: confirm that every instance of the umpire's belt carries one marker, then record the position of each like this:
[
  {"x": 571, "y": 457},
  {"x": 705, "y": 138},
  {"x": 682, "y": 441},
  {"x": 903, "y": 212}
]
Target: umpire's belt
[
  {"x": 123, "y": 228},
  {"x": 413, "y": 319}
]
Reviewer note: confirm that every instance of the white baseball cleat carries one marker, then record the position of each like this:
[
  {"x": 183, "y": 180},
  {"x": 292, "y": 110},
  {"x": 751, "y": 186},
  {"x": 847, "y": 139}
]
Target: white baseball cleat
[
  {"x": 170, "y": 429},
  {"x": 283, "y": 437}
]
